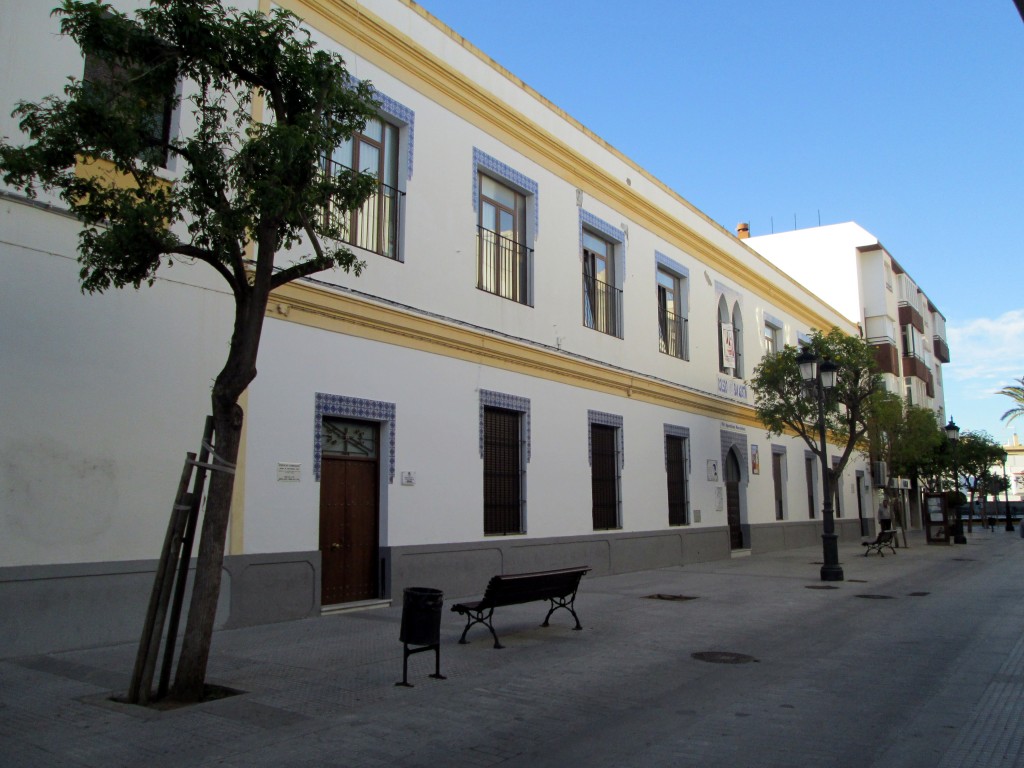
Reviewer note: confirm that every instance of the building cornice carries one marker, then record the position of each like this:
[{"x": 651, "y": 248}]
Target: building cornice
[
  {"x": 370, "y": 37},
  {"x": 324, "y": 307}
]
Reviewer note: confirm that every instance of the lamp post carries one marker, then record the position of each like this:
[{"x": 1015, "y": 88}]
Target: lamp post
[
  {"x": 953, "y": 435},
  {"x": 819, "y": 376}
]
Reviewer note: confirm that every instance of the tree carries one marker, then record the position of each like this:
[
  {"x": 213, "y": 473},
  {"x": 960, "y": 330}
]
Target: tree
[
  {"x": 905, "y": 437},
  {"x": 1016, "y": 393},
  {"x": 250, "y": 188},
  {"x": 782, "y": 405},
  {"x": 975, "y": 454}
]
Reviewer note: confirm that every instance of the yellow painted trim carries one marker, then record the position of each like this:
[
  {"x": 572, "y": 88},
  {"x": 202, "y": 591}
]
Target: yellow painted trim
[
  {"x": 319, "y": 307},
  {"x": 368, "y": 36}
]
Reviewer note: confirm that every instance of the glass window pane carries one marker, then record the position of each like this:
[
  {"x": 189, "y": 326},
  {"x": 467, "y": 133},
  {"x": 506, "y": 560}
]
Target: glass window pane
[
  {"x": 342, "y": 155},
  {"x": 369, "y": 159},
  {"x": 596, "y": 244},
  {"x": 374, "y": 130},
  {"x": 340, "y": 437},
  {"x": 391, "y": 156},
  {"x": 497, "y": 192}
]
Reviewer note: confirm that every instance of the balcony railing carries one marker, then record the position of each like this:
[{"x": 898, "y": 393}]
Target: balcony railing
[
  {"x": 673, "y": 331},
  {"x": 503, "y": 266},
  {"x": 374, "y": 225},
  {"x": 602, "y": 306}
]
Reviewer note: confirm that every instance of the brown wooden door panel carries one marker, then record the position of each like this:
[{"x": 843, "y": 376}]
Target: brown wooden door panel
[{"x": 348, "y": 530}]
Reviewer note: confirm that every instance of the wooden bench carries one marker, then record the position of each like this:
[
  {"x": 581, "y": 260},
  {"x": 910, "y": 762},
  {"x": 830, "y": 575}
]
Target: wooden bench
[
  {"x": 883, "y": 539},
  {"x": 557, "y": 586}
]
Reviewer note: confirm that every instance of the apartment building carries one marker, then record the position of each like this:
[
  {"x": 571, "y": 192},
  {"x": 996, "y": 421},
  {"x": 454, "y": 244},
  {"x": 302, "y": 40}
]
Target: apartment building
[
  {"x": 850, "y": 269},
  {"x": 544, "y": 363}
]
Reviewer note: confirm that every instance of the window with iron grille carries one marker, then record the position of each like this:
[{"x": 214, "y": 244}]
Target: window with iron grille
[
  {"x": 778, "y": 474},
  {"x": 837, "y": 488},
  {"x": 602, "y": 300},
  {"x": 503, "y": 260},
  {"x": 604, "y": 476},
  {"x": 678, "y": 490},
  {"x": 809, "y": 470},
  {"x": 672, "y": 323},
  {"x": 373, "y": 226},
  {"x": 503, "y": 471}
]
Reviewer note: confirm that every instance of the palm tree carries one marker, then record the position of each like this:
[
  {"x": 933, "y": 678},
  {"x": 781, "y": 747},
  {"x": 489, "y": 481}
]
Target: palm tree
[{"x": 1016, "y": 393}]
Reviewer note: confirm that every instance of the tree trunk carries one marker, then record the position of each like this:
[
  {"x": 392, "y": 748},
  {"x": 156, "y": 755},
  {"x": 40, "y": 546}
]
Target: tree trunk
[
  {"x": 237, "y": 374},
  {"x": 195, "y": 648}
]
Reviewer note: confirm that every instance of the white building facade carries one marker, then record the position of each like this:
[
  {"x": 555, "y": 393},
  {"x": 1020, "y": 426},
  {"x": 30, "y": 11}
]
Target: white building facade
[
  {"x": 850, "y": 269},
  {"x": 544, "y": 363}
]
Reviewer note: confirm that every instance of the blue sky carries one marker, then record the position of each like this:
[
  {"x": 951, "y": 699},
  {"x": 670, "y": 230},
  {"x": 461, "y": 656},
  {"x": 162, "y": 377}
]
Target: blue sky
[{"x": 906, "y": 116}]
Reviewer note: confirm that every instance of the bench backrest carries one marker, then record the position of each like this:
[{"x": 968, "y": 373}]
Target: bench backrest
[{"x": 515, "y": 588}]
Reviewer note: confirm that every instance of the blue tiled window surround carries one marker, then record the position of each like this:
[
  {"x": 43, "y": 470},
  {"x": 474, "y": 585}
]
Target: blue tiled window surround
[
  {"x": 608, "y": 420},
  {"x": 489, "y": 399},
  {"x": 616, "y": 235},
  {"x": 498, "y": 170},
  {"x": 355, "y": 408},
  {"x": 400, "y": 113}
]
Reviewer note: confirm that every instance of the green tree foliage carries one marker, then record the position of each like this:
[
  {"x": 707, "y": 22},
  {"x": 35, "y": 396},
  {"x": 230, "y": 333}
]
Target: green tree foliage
[
  {"x": 974, "y": 455},
  {"x": 906, "y": 437},
  {"x": 245, "y": 189},
  {"x": 783, "y": 406},
  {"x": 1016, "y": 393}
]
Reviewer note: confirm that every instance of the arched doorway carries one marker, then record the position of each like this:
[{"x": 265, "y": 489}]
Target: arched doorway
[{"x": 732, "y": 499}]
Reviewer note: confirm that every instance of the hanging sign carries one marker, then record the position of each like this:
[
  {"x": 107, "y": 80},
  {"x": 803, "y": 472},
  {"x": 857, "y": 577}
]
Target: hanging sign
[{"x": 728, "y": 346}]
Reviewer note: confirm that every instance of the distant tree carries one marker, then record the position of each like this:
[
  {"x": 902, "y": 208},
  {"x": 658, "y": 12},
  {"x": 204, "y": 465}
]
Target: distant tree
[
  {"x": 906, "y": 437},
  {"x": 246, "y": 190},
  {"x": 1016, "y": 393},
  {"x": 974, "y": 455},
  {"x": 782, "y": 404}
]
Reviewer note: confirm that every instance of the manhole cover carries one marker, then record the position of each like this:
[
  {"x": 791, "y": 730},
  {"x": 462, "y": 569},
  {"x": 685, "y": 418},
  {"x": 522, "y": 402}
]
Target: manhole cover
[
  {"x": 819, "y": 586},
  {"x": 876, "y": 597},
  {"x": 963, "y": 559},
  {"x": 918, "y": 594},
  {"x": 662, "y": 596},
  {"x": 858, "y": 581},
  {"x": 723, "y": 657}
]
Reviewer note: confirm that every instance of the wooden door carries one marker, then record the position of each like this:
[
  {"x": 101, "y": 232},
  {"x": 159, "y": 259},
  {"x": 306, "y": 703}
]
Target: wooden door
[
  {"x": 732, "y": 500},
  {"x": 349, "y": 526}
]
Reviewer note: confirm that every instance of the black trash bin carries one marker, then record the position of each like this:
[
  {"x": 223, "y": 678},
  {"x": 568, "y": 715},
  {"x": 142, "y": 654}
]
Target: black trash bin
[
  {"x": 421, "y": 616},
  {"x": 421, "y": 625}
]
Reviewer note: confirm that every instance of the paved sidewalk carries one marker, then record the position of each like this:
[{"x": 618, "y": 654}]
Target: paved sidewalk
[{"x": 915, "y": 660}]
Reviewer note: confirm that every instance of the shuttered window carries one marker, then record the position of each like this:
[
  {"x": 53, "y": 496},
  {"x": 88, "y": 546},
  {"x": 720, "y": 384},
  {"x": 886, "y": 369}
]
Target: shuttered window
[
  {"x": 604, "y": 475},
  {"x": 503, "y": 472},
  {"x": 809, "y": 473},
  {"x": 678, "y": 496}
]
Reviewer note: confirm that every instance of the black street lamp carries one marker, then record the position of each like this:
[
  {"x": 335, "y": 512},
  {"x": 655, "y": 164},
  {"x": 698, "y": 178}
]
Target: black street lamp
[
  {"x": 819, "y": 376},
  {"x": 953, "y": 435}
]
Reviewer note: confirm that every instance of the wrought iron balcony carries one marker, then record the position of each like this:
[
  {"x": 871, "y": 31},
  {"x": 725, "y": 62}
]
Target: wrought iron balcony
[
  {"x": 503, "y": 266},
  {"x": 373, "y": 226},
  {"x": 602, "y": 306},
  {"x": 673, "y": 331}
]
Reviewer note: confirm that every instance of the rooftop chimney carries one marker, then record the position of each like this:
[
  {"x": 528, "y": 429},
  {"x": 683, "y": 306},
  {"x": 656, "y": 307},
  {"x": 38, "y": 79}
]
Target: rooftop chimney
[{"x": 743, "y": 230}]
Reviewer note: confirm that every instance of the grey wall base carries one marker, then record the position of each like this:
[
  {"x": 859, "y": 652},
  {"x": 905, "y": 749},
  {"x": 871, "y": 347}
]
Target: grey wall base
[
  {"x": 50, "y": 608},
  {"x": 461, "y": 570},
  {"x": 47, "y": 608},
  {"x": 769, "y": 537}
]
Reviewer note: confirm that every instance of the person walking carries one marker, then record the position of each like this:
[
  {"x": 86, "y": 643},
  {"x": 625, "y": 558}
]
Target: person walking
[{"x": 884, "y": 516}]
